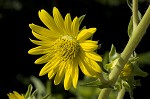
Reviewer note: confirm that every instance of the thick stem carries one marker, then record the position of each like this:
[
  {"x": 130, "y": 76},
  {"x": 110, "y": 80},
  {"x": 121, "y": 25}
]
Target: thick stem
[
  {"x": 134, "y": 40},
  {"x": 104, "y": 93},
  {"x": 121, "y": 93}
]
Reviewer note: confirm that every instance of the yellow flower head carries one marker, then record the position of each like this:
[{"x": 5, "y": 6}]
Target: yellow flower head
[
  {"x": 15, "y": 95},
  {"x": 64, "y": 48}
]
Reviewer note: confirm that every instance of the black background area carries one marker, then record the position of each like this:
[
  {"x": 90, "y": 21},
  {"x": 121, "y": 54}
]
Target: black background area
[{"x": 111, "y": 23}]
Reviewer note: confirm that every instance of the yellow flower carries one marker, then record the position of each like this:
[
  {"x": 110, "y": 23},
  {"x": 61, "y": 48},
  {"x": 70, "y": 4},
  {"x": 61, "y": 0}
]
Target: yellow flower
[
  {"x": 127, "y": 70},
  {"x": 15, "y": 95},
  {"x": 64, "y": 48}
]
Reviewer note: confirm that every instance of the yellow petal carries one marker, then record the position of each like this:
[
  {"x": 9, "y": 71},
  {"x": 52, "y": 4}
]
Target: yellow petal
[
  {"x": 48, "y": 21},
  {"x": 90, "y": 41},
  {"x": 52, "y": 73},
  {"x": 85, "y": 34},
  {"x": 43, "y": 59},
  {"x": 94, "y": 56},
  {"x": 67, "y": 80},
  {"x": 59, "y": 20},
  {"x": 43, "y": 31},
  {"x": 38, "y": 50},
  {"x": 95, "y": 66},
  {"x": 60, "y": 73},
  {"x": 53, "y": 63},
  {"x": 17, "y": 95},
  {"x": 75, "y": 26},
  {"x": 67, "y": 23},
  {"x": 37, "y": 42},
  {"x": 88, "y": 46},
  {"x": 42, "y": 43},
  {"x": 40, "y": 37},
  {"x": 84, "y": 67},
  {"x": 75, "y": 74},
  {"x": 12, "y": 96}
]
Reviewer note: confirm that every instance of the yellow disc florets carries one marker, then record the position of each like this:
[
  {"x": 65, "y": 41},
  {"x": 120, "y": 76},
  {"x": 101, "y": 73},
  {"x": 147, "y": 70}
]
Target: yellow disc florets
[{"x": 66, "y": 47}]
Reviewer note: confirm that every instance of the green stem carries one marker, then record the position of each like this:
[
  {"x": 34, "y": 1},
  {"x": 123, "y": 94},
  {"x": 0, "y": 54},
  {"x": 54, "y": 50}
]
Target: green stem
[
  {"x": 135, "y": 13},
  {"x": 104, "y": 93},
  {"x": 121, "y": 93},
  {"x": 134, "y": 40},
  {"x": 48, "y": 89}
]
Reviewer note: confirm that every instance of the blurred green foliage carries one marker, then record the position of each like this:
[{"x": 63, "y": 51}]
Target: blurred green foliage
[
  {"x": 11, "y": 4},
  {"x": 116, "y": 2}
]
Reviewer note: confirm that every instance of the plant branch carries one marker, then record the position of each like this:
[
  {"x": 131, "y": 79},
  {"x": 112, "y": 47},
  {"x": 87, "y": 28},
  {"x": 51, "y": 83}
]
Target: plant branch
[
  {"x": 135, "y": 13},
  {"x": 121, "y": 93},
  {"x": 134, "y": 40}
]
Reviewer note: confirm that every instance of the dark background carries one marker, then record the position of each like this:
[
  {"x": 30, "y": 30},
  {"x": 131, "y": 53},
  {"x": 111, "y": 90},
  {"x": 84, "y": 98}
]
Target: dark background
[{"x": 111, "y": 22}]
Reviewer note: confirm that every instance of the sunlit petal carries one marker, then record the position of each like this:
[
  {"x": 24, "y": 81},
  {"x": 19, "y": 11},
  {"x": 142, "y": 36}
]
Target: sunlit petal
[
  {"x": 59, "y": 20},
  {"x": 67, "y": 23},
  {"x": 85, "y": 34},
  {"x": 60, "y": 73},
  {"x": 94, "y": 56},
  {"x": 48, "y": 21}
]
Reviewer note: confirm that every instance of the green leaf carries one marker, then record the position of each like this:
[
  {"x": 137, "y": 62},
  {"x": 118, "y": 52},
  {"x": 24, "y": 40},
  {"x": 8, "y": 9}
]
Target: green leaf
[
  {"x": 113, "y": 54},
  {"x": 144, "y": 58},
  {"x": 129, "y": 4},
  {"x": 96, "y": 84},
  {"x": 130, "y": 27}
]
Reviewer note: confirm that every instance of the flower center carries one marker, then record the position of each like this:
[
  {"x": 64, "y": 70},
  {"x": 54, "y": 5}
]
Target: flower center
[{"x": 66, "y": 47}]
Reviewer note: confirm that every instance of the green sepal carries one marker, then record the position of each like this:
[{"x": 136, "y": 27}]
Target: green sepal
[
  {"x": 126, "y": 85},
  {"x": 38, "y": 85},
  {"x": 96, "y": 84},
  {"x": 128, "y": 89},
  {"x": 46, "y": 97},
  {"x": 105, "y": 58},
  {"x": 130, "y": 27},
  {"x": 113, "y": 54},
  {"x": 103, "y": 67},
  {"x": 138, "y": 72},
  {"x": 33, "y": 94},
  {"x": 28, "y": 93},
  {"x": 137, "y": 82},
  {"x": 81, "y": 19},
  {"x": 144, "y": 58}
]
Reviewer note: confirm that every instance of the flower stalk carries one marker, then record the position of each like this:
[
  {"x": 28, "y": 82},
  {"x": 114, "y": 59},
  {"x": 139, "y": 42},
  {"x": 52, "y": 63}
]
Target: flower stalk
[{"x": 134, "y": 40}]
